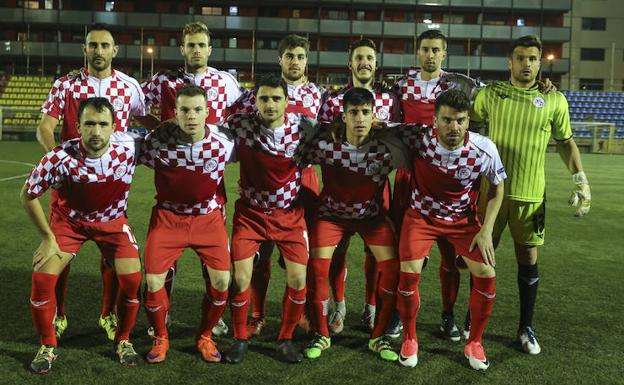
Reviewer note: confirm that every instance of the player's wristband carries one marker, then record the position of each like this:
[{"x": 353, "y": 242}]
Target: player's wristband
[{"x": 580, "y": 178}]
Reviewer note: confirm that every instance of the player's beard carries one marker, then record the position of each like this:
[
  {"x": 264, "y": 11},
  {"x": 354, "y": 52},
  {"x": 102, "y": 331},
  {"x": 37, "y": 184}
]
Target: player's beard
[
  {"x": 96, "y": 145},
  {"x": 430, "y": 68},
  {"x": 99, "y": 65},
  {"x": 293, "y": 77}
]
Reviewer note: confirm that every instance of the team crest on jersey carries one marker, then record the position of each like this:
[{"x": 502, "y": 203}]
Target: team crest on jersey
[
  {"x": 290, "y": 150},
  {"x": 538, "y": 102},
  {"x": 462, "y": 173},
  {"x": 374, "y": 168},
  {"x": 382, "y": 113},
  {"x": 308, "y": 101},
  {"x": 211, "y": 165},
  {"x": 117, "y": 104},
  {"x": 212, "y": 94},
  {"x": 121, "y": 171}
]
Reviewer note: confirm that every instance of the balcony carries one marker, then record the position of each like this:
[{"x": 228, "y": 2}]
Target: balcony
[
  {"x": 303, "y": 25},
  {"x": 277, "y": 24},
  {"x": 399, "y": 29}
]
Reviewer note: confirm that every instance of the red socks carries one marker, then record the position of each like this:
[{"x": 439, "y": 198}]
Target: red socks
[
  {"x": 239, "y": 305},
  {"x": 260, "y": 284},
  {"x": 213, "y": 306},
  {"x": 157, "y": 305},
  {"x": 128, "y": 304},
  {"x": 408, "y": 302},
  {"x": 319, "y": 272},
  {"x": 61, "y": 291},
  {"x": 43, "y": 306},
  {"x": 386, "y": 292},
  {"x": 480, "y": 302},
  {"x": 338, "y": 275},
  {"x": 371, "y": 275},
  {"x": 293, "y": 305},
  {"x": 449, "y": 282},
  {"x": 109, "y": 287}
]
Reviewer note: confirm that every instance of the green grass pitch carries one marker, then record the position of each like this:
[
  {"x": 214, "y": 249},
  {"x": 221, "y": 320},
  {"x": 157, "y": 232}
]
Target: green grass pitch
[{"x": 579, "y": 314}]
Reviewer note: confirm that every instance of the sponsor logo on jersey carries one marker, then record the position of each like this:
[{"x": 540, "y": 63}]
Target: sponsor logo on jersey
[
  {"x": 211, "y": 165},
  {"x": 308, "y": 101},
  {"x": 383, "y": 113},
  {"x": 502, "y": 95},
  {"x": 121, "y": 171},
  {"x": 212, "y": 94},
  {"x": 462, "y": 173},
  {"x": 538, "y": 102},
  {"x": 117, "y": 104},
  {"x": 290, "y": 150},
  {"x": 374, "y": 167}
]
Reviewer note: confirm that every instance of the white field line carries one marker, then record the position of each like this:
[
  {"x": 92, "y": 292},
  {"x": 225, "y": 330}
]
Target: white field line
[{"x": 16, "y": 176}]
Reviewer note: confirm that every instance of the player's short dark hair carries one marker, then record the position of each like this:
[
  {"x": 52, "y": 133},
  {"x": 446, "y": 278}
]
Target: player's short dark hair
[
  {"x": 526, "y": 41},
  {"x": 98, "y": 104},
  {"x": 271, "y": 80},
  {"x": 431, "y": 34},
  {"x": 196, "y": 27},
  {"x": 361, "y": 43},
  {"x": 100, "y": 27},
  {"x": 357, "y": 96},
  {"x": 190, "y": 90},
  {"x": 292, "y": 41},
  {"x": 454, "y": 98}
]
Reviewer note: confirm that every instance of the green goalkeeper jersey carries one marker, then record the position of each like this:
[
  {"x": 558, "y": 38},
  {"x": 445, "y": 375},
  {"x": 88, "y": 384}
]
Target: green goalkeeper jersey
[{"x": 521, "y": 122}]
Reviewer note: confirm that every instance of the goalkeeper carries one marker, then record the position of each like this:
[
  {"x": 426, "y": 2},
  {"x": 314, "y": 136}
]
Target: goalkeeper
[{"x": 521, "y": 122}]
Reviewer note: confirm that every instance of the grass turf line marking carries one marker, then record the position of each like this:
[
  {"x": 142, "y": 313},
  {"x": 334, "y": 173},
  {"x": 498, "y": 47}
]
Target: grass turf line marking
[{"x": 16, "y": 176}]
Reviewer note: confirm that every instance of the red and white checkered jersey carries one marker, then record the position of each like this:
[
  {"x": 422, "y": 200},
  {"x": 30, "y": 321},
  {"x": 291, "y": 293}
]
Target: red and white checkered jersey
[
  {"x": 269, "y": 176},
  {"x": 354, "y": 177},
  {"x": 123, "y": 92},
  {"x": 188, "y": 176},
  {"x": 446, "y": 183},
  {"x": 303, "y": 99},
  {"x": 222, "y": 90},
  {"x": 90, "y": 189},
  {"x": 387, "y": 106},
  {"x": 418, "y": 96}
]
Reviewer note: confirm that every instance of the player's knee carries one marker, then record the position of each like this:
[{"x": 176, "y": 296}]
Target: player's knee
[
  {"x": 242, "y": 279},
  {"x": 155, "y": 282},
  {"x": 481, "y": 270},
  {"x": 220, "y": 281},
  {"x": 297, "y": 281}
]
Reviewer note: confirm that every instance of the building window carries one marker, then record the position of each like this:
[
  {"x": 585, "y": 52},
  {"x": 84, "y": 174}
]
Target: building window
[
  {"x": 296, "y": 13},
  {"x": 232, "y": 42},
  {"x": 28, "y": 4},
  {"x": 173, "y": 41},
  {"x": 150, "y": 40},
  {"x": 591, "y": 84},
  {"x": 337, "y": 45},
  {"x": 212, "y": 11},
  {"x": 453, "y": 19},
  {"x": 520, "y": 22},
  {"x": 233, "y": 11},
  {"x": 594, "y": 23},
  {"x": 360, "y": 15},
  {"x": 338, "y": 15},
  {"x": 109, "y": 6},
  {"x": 593, "y": 54}
]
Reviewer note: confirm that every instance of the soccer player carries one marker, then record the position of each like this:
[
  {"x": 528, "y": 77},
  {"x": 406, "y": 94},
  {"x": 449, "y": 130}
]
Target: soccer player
[
  {"x": 418, "y": 90},
  {"x": 99, "y": 79},
  {"x": 92, "y": 174},
  {"x": 363, "y": 64},
  {"x": 448, "y": 164},
  {"x": 521, "y": 120},
  {"x": 355, "y": 164},
  {"x": 304, "y": 97},
  {"x": 188, "y": 177},
  {"x": 222, "y": 91},
  {"x": 268, "y": 209}
]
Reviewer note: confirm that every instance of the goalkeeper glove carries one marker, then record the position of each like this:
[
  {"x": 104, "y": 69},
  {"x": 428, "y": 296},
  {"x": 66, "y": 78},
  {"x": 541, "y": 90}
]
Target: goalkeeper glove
[{"x": 581, "y": 197}]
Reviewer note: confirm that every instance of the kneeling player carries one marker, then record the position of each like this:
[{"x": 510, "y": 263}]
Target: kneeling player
[
  {"x": 188, "y": 175},
  {"x": 92, "y": 175},
  {"x": 448, "y": 162},
  {"x": 355, "y": 165}
]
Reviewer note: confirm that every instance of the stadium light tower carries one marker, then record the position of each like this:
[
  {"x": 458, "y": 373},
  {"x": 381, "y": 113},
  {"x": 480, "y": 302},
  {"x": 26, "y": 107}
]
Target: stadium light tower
[
  {"x": 150, "y": 51},
  {"x": 551, "y": 59}
]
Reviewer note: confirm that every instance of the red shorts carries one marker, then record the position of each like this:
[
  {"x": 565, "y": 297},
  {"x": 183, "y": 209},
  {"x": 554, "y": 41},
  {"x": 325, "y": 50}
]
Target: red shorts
[
  {"x": 309, "y": 193},
  {"x": 419, "y": 233},
  {"x": 375, "y": 232},
  {"x": 114, "y": 239},
  {"x": 285, "y": 227},
  {"x": 170, "y": 233}
]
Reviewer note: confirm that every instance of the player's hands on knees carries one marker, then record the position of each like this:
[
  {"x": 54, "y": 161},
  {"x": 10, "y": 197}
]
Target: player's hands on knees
[
  {"x": 483, "y": 240},
  {"x": 581, "y": 196},
  {"x": 48, "y": 248},
  {"x": 546, "y": 86}
]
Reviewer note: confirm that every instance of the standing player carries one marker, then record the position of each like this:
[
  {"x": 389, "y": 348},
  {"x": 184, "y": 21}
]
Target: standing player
[
  {"x": 304, "y": 97},
  {"x": 386, "y": 108},
  {"x": 447, "y": 165},
  {"x": 92, "y": 174},
  {"x": 222, "y": 91},
  {"x": 521, "y": 120},
  {"x": 270, "y": 183},
  {"x": 188, "y": 177},
  {"x": 355, "y": 165},
  {"x": 99, "y": 79}
]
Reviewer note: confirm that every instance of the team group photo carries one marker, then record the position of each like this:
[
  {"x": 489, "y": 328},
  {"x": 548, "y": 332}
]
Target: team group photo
[{"x": 194, "y": 215}]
